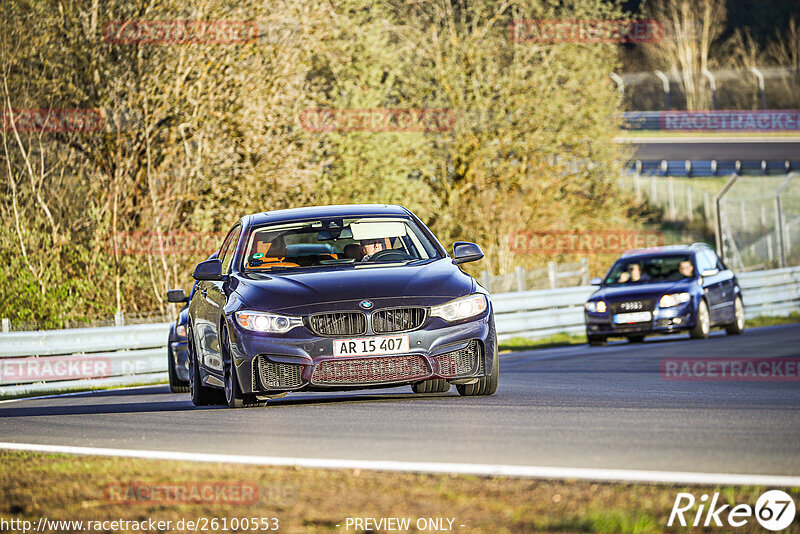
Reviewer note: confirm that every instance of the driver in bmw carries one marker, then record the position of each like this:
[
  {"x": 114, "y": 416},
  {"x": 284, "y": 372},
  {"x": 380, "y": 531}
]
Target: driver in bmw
[{"x": 370, "y": 247}]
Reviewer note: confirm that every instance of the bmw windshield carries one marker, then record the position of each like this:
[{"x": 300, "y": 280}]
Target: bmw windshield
[{"x": 357, "y": 242}]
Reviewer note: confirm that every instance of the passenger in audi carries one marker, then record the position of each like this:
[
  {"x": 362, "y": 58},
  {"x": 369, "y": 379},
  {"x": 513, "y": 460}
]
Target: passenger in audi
[
  {"x": 633, "y": 274},
  {"x": 686, "y": 269}
]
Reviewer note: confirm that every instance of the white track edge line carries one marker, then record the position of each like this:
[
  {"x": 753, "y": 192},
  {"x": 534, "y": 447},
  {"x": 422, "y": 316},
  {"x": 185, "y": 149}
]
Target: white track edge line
[{"x": 524, "y": 471}]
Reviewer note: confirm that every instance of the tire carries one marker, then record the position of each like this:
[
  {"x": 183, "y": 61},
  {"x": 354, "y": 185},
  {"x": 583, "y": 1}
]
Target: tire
[
  {"x": 175, "y": 385},
  {"x": 596, "y": 341},
  {"x": 436, "y": 385},
  {"x": 737, "y": 326},
  {"x": 639, "y": 338},
  {"x": 702, "y": 323},
  {"x": 234, "y": 397},
  {"x": 201, "y": 395},
  {"x": 486, "y": 385}
]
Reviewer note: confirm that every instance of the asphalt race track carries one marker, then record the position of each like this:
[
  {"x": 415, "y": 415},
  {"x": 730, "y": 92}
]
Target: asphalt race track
[
  {"x": 603, "y": 407},
  {"x": 708, "y": 148}
]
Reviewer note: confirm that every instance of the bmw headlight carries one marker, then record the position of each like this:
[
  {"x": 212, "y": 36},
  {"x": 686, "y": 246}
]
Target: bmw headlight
[
  {"x": 668, "y": 301},
  {"x": 266, "y": 322},
  {"x": 461, "y": 308},
  {"x": 595, "y": 306}
]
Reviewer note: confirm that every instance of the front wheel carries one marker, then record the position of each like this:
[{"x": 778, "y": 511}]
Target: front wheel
[
  {"x": 702, "y": 324},
  {"x": 234, "y": 397},
  {"x": 596, "y": 341},
  {"x": 737, "y": 326},
  {"x": 486, "y": 385}
]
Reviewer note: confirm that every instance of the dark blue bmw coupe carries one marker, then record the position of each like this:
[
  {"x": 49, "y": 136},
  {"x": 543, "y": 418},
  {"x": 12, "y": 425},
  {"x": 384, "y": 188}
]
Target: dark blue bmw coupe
[
  {"x": 664, "y": 290},
  {"x": 337, "y": 298}
]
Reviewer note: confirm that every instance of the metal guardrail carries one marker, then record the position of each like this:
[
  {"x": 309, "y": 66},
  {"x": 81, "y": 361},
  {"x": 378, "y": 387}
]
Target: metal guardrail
[
  {"x": 87, "y": 358},
  {"x": 47, "y": 361}
]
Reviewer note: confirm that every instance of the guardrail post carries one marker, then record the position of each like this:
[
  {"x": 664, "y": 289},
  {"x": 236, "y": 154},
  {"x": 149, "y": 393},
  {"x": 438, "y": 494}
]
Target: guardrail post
[
  {"x": 637, "y": 186},
  {"x": 552, "y": 274},
  {"x": 6, "y": 324},
  {"x": 520, "y": 278},
  {"x": 119, "y": 318},
  {"x": 653, "y": 191}
]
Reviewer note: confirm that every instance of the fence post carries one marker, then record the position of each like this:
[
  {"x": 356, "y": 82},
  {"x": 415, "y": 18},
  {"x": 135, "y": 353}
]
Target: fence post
[
  {"x": 653, "y": 192},
  {"x": 552, "y": 273},
  {"x": 520, "y": 278},
  {"x": 671, "y": 192},
  {"x": 689, "y": 207},
  {"x": 584, "y": 271},
  {"x": 119, "y": 318},
  {"x": 6, "y": 324},
  {"x": 485, "y": 281}
]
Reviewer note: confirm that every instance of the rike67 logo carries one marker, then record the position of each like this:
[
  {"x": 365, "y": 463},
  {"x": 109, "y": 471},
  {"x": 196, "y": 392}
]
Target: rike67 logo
[{"x": 774, "y": 510}]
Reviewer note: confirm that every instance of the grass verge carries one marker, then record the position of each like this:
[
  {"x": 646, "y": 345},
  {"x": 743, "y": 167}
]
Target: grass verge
[{"x": 89, "y": 488}]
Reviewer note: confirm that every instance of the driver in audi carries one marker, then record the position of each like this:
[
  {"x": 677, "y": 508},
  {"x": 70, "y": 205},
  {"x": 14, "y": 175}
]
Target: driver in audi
[{"x": 370, "y": 247}]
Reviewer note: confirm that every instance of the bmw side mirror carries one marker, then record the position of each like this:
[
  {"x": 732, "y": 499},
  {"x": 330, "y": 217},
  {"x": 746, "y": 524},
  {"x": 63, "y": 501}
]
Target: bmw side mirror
[
  {"x": 596, "y": 281},
  {"x": 209, "y": 270},
  {"x": 177, "y": 296},
  {"x": 464, "y": 252},
  {"x": 709, "y": 272}
]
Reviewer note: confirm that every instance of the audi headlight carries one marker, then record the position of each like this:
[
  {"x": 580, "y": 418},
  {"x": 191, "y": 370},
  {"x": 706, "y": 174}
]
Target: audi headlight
[
  {"x": 180, "y": 330},
  {"x": 668, "y": 301},
  {"x": 266, "y": 322},
  {"x": 595, "y": 307},
  {"x": 461, "y": 308}
]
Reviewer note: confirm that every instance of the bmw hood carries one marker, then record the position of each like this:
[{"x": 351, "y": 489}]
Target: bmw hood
[
  {"x": 634, "y": 291},
  {"x": 301, "y": 292}
]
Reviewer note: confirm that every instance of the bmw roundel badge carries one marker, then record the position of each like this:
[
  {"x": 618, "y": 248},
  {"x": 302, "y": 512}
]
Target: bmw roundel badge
[{"x": 366, "y": 304}]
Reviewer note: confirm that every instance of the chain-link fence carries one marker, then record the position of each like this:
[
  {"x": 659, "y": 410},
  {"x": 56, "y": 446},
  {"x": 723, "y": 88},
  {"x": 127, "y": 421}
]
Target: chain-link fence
[{"x": 759, "y": 222}]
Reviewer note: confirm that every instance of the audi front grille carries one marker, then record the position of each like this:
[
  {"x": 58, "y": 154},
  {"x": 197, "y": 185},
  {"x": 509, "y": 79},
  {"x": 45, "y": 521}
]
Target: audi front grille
[
  {"x": 338, "y": 324},
  {"x": 397, "y": 320}
]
